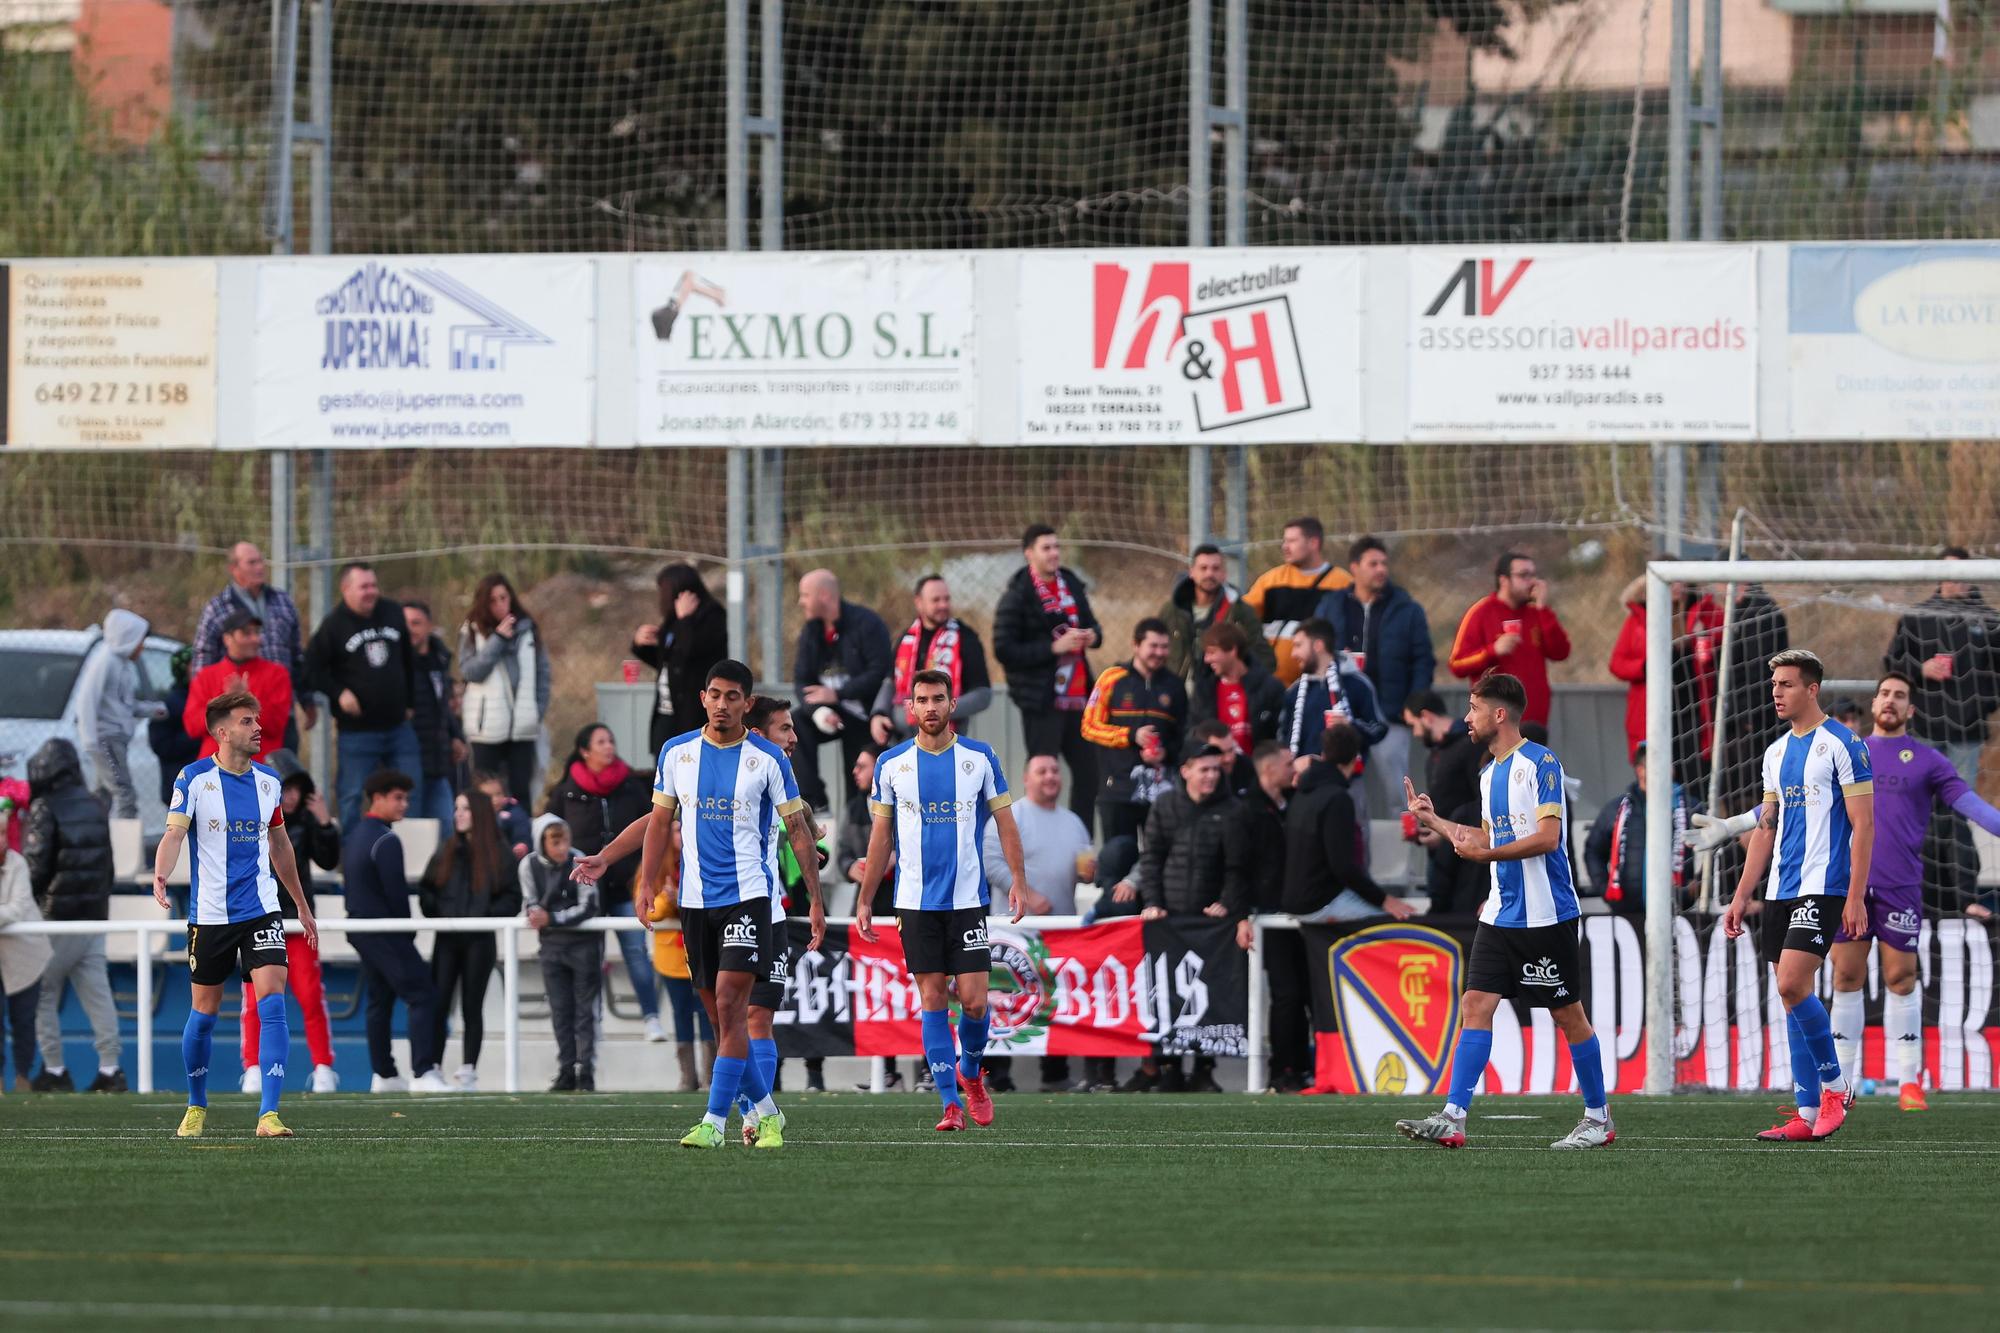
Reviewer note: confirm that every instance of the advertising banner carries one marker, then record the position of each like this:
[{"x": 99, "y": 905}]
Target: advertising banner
[
  {"x": 1575, "y": 344},
  {"x": 806, "y": 349},
  {"x": 1123, "y": 987},
  {"x": 1385, "y": 1009},
  {"x": 413, "y": 353},
  {"x": 1894, "y": 342},
  {"x": 1183, "y": 346},
  {"x": 108, "y": 356}
]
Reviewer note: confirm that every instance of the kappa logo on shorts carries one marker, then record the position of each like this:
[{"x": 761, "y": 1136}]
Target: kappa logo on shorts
[
  {"x": 270, "y": 937},
  {"x": 1541, "y": 973},
  {"x": 739, "y": 935},
  {"x": 975, "y": 938},
  {"x": 1805, "y": 916}
]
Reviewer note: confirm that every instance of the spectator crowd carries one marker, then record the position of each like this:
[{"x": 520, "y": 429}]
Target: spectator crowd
[{"x": 1218, "y": 769}]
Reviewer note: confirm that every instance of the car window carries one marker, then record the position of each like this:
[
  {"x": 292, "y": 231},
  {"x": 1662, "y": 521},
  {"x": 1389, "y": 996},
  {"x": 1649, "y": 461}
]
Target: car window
[
  {"x": 35, "y": 683},
  {"x": 156, "y": 674}
]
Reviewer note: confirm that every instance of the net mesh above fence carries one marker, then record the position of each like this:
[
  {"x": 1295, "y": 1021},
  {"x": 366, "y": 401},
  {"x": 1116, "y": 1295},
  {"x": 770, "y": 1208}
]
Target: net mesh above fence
[{"x": 601, "y": 126}]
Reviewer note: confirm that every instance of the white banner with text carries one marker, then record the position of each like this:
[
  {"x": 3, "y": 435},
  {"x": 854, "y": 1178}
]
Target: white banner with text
[{"x": 426, "y": 352}]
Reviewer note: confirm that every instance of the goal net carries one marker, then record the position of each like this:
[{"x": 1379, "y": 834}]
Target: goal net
[{"x": 1711, "y": 627}]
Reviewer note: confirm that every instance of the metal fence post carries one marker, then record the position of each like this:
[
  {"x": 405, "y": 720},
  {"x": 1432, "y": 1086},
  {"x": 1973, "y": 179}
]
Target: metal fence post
[
  {"x": 142, "y": 996},
  {"x": 1257, "y": 1077},
  {"x": 510, "y": 998}
]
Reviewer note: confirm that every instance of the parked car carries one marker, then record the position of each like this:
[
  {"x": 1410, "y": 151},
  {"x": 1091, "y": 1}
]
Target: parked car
[{"x": 38, "y": 674}]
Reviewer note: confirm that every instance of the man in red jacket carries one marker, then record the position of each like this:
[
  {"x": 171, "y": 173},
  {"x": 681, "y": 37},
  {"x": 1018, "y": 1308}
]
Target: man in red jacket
[
  {"x": 1697, "y": 654},
  {"x": 1513, "y": 631},
  {"x": 241, "y": 668}
]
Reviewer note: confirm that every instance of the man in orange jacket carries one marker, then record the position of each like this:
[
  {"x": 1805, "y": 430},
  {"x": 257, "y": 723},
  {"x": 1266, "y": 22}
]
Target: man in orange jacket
[{"x": 242, "y": 668}]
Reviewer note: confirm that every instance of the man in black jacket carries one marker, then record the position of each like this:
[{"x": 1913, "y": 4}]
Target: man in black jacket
[
  {"x": 1326, "y": 868},
  {"x": 1949, "y": 648},
  {"x": 1134, "y": 716},
  {"x": 1182, "y": 866},
  {"x": 67, "y": 844},
  {"x": 1451, "y": 777},
  {"x": 839, "y": 666},
  {"x": 376, "y": 887},
  {"x": 1043, "y": 631},
  {"x": 360, "y": 659},
  {"x": 1254, "y": 884},
  {"x": 440, "y": 738}
]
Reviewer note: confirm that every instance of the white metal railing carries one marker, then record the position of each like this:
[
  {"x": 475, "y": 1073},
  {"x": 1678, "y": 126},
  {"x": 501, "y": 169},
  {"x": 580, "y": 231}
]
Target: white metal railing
[{"x": 508, "y": 929}]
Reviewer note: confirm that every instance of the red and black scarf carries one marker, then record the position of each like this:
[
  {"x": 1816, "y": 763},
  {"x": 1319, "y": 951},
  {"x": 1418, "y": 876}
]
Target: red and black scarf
[
  {"x": 941, "y": 655},
  {"x": 1072, "y": 682}
]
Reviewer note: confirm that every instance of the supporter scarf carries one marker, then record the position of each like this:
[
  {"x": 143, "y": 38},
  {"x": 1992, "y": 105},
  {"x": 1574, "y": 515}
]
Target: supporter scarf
[
  {"x": 942, "y": 655},
  {"x": 603, "y": 782},
  {"x": 1336, "y": 702},
  {"x": 1072, "y": 689}
]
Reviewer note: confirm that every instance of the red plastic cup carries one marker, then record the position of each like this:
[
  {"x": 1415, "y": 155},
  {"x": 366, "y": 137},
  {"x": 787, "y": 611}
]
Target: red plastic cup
[
  {"x": 1510, "y": 627},
  {"x": 1360, "y": 660},
  {"x": 1409, "y": 827},
  {"x": 632, "y": 668}
]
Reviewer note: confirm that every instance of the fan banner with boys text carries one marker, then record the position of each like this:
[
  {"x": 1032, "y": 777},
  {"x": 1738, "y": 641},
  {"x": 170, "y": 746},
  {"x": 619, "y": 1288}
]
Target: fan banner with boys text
[
  {"x": 1385, "y": 1009},
  {"x": 1125, "y": 987}
]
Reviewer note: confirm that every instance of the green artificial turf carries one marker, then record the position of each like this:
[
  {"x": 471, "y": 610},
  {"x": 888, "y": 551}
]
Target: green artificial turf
[{"x": 580, "y": 1212}]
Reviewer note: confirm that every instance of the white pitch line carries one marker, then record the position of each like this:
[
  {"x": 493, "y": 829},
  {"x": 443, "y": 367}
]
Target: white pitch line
[
  {"x": 381, "y": 1315},
  {"x": 976, "y": 1140}
]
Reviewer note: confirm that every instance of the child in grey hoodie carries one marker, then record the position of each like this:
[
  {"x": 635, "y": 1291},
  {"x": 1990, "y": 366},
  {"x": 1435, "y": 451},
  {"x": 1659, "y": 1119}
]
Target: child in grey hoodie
[
  {"x": 108, "y": 711},
  {"x": 572, "y": 960}
]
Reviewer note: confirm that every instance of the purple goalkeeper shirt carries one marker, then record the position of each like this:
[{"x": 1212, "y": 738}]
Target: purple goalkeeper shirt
[{"x": 1909, "y": 776}]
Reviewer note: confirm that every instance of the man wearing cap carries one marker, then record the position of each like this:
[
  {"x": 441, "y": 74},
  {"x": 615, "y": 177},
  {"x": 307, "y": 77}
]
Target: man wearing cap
[{"x": 243, "y": 667}]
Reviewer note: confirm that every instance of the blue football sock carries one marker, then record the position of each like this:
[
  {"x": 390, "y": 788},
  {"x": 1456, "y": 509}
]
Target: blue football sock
[
  {"x": 723, "y": 1086},
  {"x": 940, "y": 1056},
  {"x": 274, "y": 1042},
  {"x": 1468, "y": 1065},
  {"x": 1812, "y": 1018},
  {"x": 971, "y": 1045},
  {"x": 762, "y": 1070},
  {"x": 1589, "y": 1066},
  {"x": 196, "y": 1041},
  {"x": 1805, "y": 1071}
]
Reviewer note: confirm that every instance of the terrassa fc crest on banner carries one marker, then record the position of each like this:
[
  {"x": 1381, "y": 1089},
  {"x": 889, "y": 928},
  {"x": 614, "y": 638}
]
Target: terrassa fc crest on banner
[
  {"x": 1145, "y": 347},
  {"x": 1395, "y": 991}
]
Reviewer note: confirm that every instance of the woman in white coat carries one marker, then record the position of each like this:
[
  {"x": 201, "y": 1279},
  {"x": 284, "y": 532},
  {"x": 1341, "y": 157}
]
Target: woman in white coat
[
  {"x": 506, "y": 670},
  {"x": 22, "y": 957}
]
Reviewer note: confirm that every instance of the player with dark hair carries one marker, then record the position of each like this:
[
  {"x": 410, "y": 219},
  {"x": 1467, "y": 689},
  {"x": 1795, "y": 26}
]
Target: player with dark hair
[
  {"x": 1526, "y": 944},
  {"x": 1910, "y": 777},
  {"x": 729, "y": 788},
  {"x": 933, "y": 796},
  {"x": 1818, "y": 815},
  {"x": 230, "y": 805}
]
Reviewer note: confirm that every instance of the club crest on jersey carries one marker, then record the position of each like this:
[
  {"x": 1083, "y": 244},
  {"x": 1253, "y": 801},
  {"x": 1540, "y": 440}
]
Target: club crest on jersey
[
  {"x": 967, "y": 765},
  {"x": 752, "y": 762},
  {"x": 179, "y": 796},
  {"x": 1906, "y": 755},
  {"x": 377, "y": 653},
  {"x": 1820, "y": 749},
  {"x": 1395, "y": 997}
]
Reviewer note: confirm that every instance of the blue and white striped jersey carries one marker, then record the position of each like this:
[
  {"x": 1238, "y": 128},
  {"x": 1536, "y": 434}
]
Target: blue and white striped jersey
[
  {"x": 1809, "y": 778},
  {"x": 228, "y": 817},
  {"x": 1516, "y": 792},
  {"x": 941, "y": 803},
  {"x": 732, "y": 801}
]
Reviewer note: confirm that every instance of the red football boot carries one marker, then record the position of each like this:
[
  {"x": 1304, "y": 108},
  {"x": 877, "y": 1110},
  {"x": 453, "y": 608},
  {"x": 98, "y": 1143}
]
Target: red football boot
[
  {"x": 1832, "y": 1114},
  {"x": 1794, "y": 1128},
  {"x": 978, "y": 1101},
  {"x": 954, "y": 1118}
]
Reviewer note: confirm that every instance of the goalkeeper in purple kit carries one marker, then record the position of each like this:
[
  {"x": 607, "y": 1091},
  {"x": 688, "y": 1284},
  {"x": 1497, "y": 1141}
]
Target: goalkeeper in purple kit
[{"x": 1909, "y": 778}]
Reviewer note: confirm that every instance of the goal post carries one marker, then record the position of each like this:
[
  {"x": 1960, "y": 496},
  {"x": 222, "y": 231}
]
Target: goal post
[{"x": 1662, "y": 1020}]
